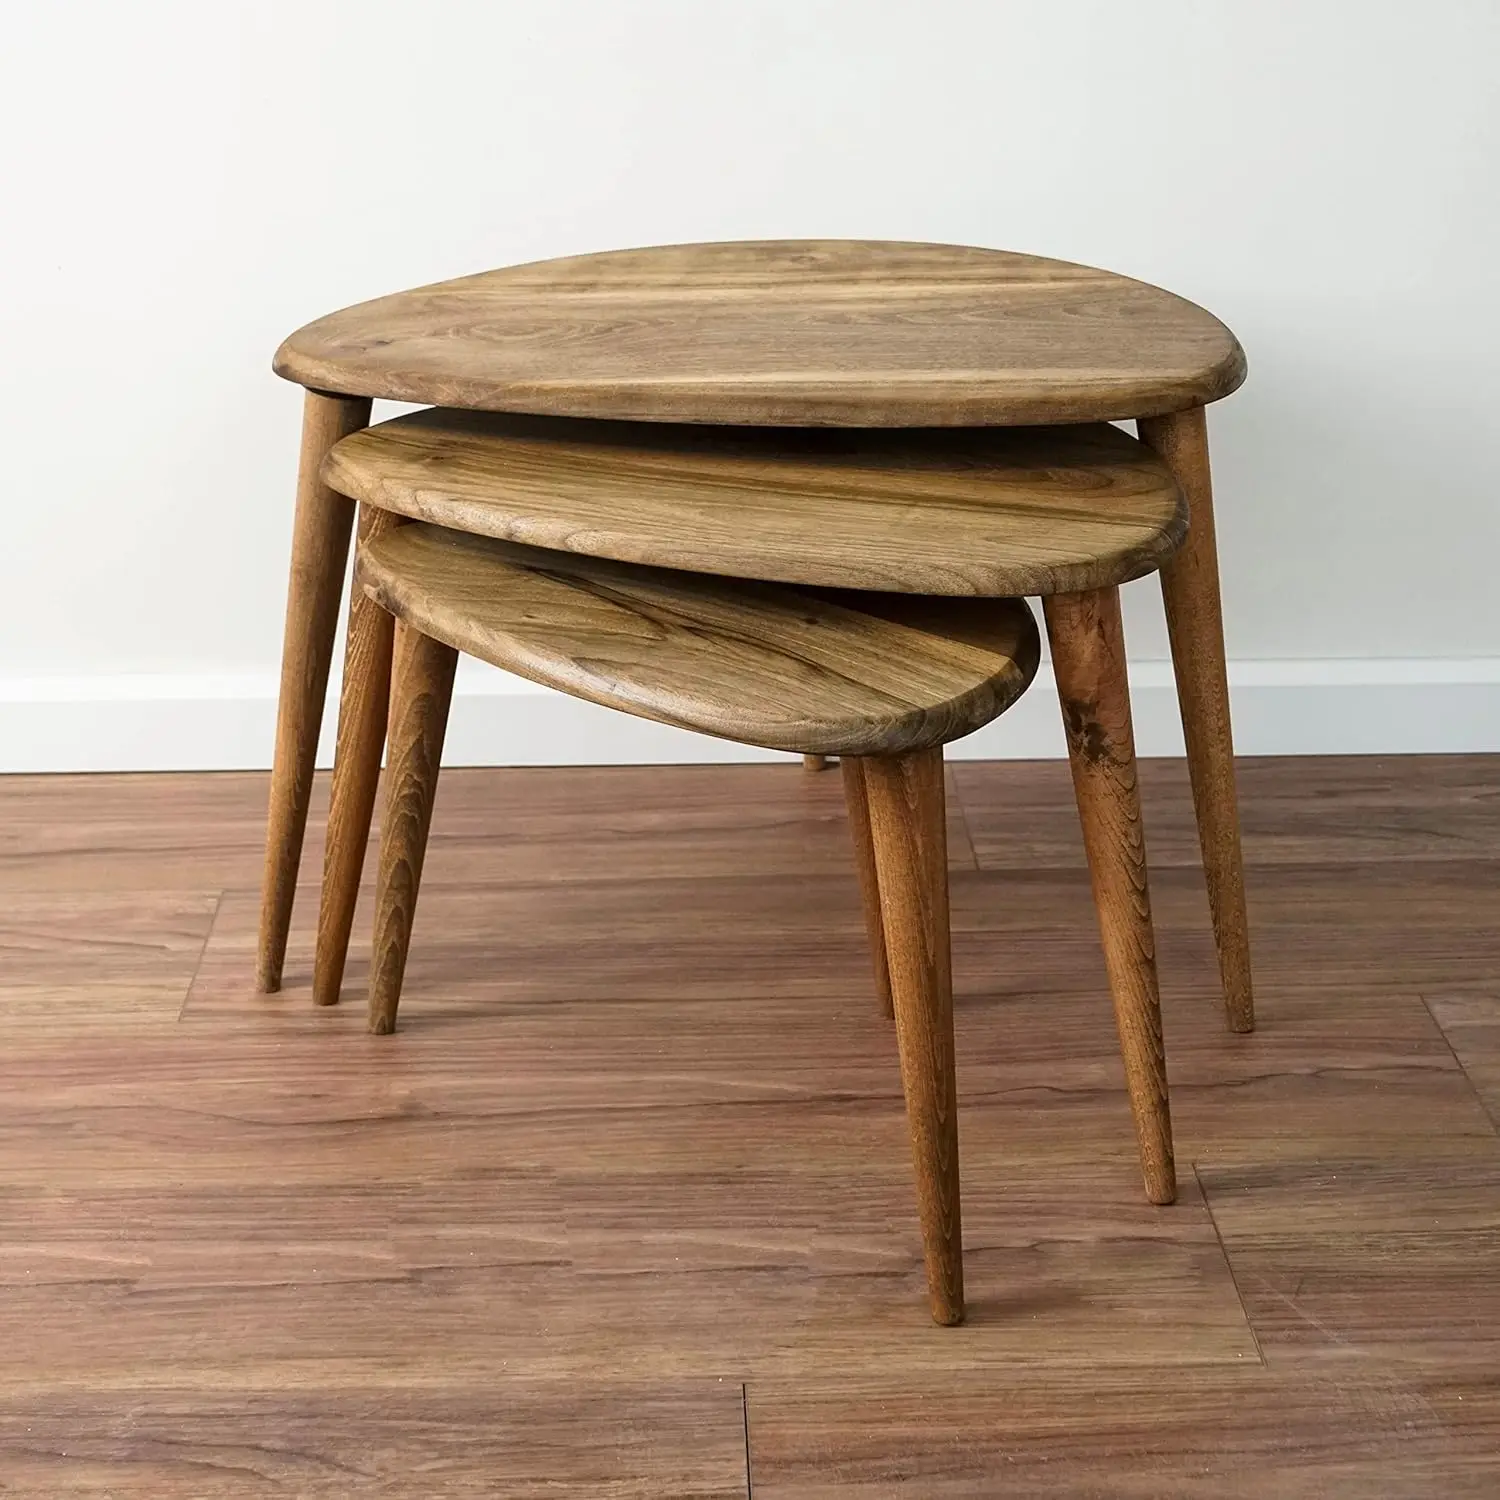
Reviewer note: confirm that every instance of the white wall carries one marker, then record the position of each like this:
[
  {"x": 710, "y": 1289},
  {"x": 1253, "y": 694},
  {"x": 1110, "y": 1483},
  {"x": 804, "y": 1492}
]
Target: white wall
[{"x": 184, "y": 183}]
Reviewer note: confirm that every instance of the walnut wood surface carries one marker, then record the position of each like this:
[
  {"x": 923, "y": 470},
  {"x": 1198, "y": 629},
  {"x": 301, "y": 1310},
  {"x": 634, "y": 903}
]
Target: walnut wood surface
[
  {"x": 757, "y": 663},
  {"x": 1011, "y": 513},
  {"x": 421, "y": 690},
  {"x": 1088, "y": 656},
  {"x": 816, "y": 332},
  {"x": 857, "y": 805},
  {"x": 363, "y": 706},
  {"x": 320, "y": 546},
  {"x": 908, "y": 830},
  {"x": 1195, "y": 623},
  {"x": 629, "y": 1213}
]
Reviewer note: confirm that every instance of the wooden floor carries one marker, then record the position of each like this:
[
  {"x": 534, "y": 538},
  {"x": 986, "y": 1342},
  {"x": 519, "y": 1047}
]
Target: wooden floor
[{"x": 625, "y": 1207}]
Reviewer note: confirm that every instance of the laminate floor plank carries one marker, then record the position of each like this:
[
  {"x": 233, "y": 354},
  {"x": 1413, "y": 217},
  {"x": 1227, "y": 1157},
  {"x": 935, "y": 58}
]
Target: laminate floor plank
[
  {"x": 1328, "y": 925},
  {"x": 1365, "y": 1263},
  {"x": 1063, "y": 1263},
  {"x": 147, "y": 831},
  {"x": 1084, "y": 1435},
  {"x": 177, "y": 831},
  {"x": 528, "y": 1439},
  {"x": 1327, "y": 809},
  {"x": 627, "y": 822},
  {"x": 79, "y": 961},
  {"x": 539, "y": 1274},
  {"x": 1470, "y": 1020},
  {"x": 525, "y": 945},
  {"x": 1015, "y": 933},
  {"x": 1412, "y": 1299}
]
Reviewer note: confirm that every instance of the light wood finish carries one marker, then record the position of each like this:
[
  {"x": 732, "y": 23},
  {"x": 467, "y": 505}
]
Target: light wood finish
[
  {"x": 421, "y": 690},
  {"x": 1088, "y": 655},
  {"x": 1195, "y": 622},
  {"x": 814, "y": 332},
  {"x": 750, "y": 662},
  {"x": 363, "y": 707},
  {"x": 320, "y": 547},
  {"x": 907, "y": 825},
  {"x": 857, "y": 802},
  {"x": 628, "y": 1213},
  {"x": 815, "y": 762},
  {"x": 1004, "y": 512}
]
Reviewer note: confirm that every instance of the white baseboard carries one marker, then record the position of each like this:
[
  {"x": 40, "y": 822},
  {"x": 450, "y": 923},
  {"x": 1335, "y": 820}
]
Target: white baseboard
[{"x": 160, "y": 722}]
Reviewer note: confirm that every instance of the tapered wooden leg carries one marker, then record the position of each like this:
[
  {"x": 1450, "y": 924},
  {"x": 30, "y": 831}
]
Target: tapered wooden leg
[
  {"x": 910, "y": 839},
  {"x": 1195, "y": 623},
  {"x": 856, "y": 800},
  {"x": 356, "y": 768},
  {"x": 421, "y": 691},
  {"x": 814, "y": 762},
  {"x": 320, "y": 547},
  {"x": 1088, "y": 655}
]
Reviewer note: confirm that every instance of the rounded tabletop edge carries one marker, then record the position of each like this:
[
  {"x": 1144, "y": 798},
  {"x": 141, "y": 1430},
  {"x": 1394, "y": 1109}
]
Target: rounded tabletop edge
[
  {"x": 397, "y": 568},
  {"x": 747, "y": 407},
  {"x": 505, "y": 492},
  {"x": 995, "y": 397}
]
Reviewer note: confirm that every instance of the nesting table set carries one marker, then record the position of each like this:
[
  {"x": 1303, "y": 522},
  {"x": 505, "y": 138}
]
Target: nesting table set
[{"x": 793, "y": 494}]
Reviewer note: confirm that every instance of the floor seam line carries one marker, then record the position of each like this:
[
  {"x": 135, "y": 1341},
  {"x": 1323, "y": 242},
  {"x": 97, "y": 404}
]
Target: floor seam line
[
  {"x": 1458, "y": 1062},
  {"x": 963, "y": 817},
  {"x": 1234, "y": 1279},
  {"x": 745, "y": 1419},
  {"x": 213, "y": 921}
]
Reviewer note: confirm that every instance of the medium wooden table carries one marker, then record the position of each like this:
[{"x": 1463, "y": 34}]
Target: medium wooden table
[{"x": 846, "y": 334}]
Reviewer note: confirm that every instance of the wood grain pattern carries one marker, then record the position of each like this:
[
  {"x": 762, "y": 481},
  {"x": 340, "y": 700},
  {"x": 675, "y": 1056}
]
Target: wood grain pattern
[
  {"x": 1195, "y": 623},
  {"x": 116, "y": 960},
  {"x": 605, "y": 1440},
  {"x": 857, "y": 802},
  {"x": 320, "y": 546},
  {"x": 581, "y": 819},
  {"x": 363, "y": 705},
  {"x": 750, "y": 662},
  {"x": 1088, "y": 655},
  {"x": 1005, "y": 512},
  {"x": 907, "y": 825},
  {"x": 577, "y": 822},
  {"x": 643, "y": 1160},
  {"x": 1081, "y": 1435},
  {"x": 1343, "y": 1261},
  {"x": 812, "y": 332},
  {"x": 815, "y": 762},
  {"x": 1343, "y": 809},
  {"x": 421, "y": 691},
  {"x": 1469, "y": 1014}
]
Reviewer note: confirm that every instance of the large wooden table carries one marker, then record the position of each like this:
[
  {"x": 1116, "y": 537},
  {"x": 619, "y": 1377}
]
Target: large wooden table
[{"x": 846, "y": 334}]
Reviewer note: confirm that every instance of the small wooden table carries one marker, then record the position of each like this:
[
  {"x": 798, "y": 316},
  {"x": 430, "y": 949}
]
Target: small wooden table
[
  {"x": 847, "y": 334},
  {"x": 882, "y": 680}
]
